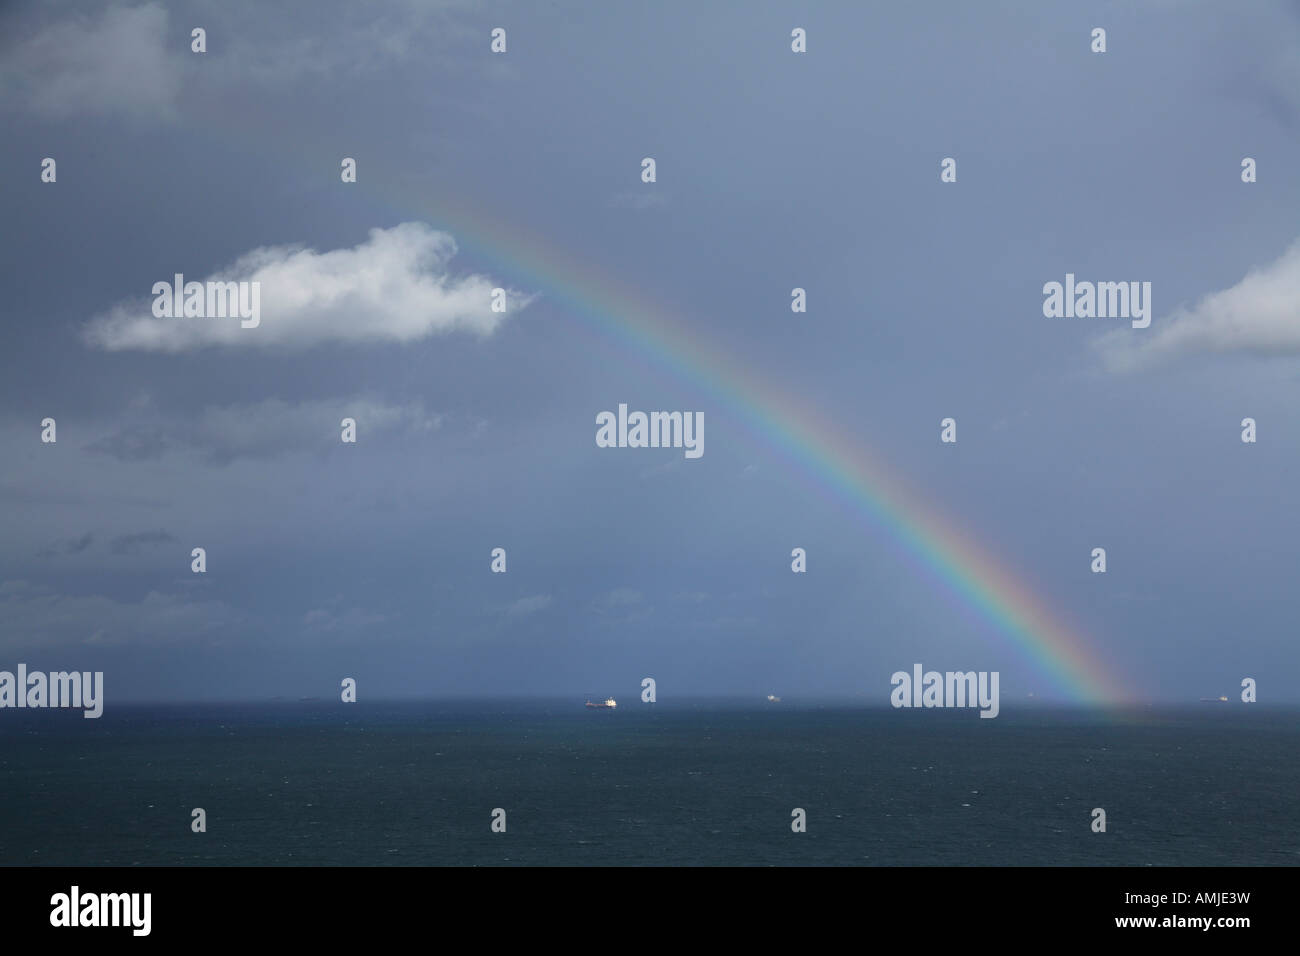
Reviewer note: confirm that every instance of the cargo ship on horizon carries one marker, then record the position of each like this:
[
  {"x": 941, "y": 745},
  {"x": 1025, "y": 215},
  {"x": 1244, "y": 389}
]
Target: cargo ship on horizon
[{"x": 609, "y": 703}]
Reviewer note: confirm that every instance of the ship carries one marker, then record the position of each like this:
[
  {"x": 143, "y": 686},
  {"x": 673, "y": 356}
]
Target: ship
[
  {"x": 609, "y": 703},
  {"x": 773, "y": 699},
  {"x": 1214, "y": 700}
]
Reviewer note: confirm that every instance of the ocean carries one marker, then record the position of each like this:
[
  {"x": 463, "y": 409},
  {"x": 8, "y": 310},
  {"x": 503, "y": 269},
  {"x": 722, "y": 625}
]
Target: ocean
[{"x": 416, "y": 784}]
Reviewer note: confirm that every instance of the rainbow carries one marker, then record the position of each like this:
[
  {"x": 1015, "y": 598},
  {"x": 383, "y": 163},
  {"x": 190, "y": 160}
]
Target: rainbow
[
  {"x": 785, "y": 422},
  {"x": 811, "y": 443}
]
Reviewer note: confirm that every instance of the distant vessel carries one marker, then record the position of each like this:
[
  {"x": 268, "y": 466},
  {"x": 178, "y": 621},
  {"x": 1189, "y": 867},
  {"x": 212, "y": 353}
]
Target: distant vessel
[
  {"x": 773, "y": 699},
  {"x": 609, "y": 703},
  {"x": 1214, "y": 700}
]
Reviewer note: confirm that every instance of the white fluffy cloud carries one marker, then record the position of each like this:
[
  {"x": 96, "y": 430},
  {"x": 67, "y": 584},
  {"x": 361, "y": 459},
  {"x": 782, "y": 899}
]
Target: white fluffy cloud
[
  {"x": 394, "y": 287},
  {"x": 1258, "y": 315}
]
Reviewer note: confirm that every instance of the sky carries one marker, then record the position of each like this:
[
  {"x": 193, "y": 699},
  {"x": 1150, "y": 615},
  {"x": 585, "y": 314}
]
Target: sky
[{"x": 774, "y": 170}]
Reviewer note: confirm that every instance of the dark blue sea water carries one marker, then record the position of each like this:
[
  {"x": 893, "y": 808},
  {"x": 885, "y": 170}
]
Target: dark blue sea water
[{"x": 416, "y": 783}]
